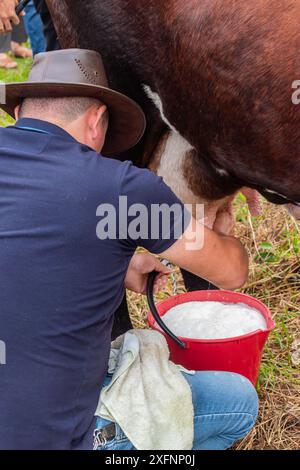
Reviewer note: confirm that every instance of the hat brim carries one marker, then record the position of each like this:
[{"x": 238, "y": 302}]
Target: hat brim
[{"x": 126, "y": 119}]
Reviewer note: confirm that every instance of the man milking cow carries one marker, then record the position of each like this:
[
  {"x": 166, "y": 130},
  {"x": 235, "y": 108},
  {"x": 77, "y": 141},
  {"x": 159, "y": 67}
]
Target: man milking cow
[{"x": 61, "y": 283}]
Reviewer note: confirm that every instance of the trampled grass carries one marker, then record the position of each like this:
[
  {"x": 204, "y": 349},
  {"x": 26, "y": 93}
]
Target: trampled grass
[{"x": 273, "y": 243}]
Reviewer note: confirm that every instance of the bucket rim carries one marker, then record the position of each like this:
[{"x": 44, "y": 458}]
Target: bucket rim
[{"x": 265, "y": 311}]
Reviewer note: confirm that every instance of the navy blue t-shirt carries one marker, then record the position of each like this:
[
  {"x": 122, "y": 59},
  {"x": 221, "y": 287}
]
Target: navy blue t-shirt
[{"x": 60, "y": 283}]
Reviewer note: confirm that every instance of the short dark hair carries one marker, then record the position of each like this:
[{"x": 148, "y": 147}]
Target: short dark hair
[{"x": 63, "y": 109}]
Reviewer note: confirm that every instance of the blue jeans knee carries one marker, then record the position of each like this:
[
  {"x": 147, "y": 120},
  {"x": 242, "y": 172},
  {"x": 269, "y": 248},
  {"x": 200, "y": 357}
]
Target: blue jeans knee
[{"x": 225, "y": 408}]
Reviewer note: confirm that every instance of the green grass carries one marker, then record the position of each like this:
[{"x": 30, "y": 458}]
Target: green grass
[{"x": 15, "y": 75}]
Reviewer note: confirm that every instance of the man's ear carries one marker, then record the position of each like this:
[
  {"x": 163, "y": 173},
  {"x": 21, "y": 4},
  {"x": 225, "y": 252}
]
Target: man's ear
[
  {"x": 97, "y": 119},
  {"x": 17, "y": 112}
]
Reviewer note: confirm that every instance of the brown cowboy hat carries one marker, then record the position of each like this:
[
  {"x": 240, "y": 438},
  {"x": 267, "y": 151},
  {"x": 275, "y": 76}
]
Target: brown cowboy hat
[{"x": 79, "y": 72}]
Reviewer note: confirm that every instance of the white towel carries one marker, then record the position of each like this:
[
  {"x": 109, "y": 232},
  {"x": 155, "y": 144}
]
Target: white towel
[{"x": 148, "y": 396}]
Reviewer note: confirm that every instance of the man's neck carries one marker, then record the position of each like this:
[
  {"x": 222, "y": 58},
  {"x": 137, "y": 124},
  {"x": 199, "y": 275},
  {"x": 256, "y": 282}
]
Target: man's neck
[
  {"x": 69, "y": 128},
  {"x": 49, "y": 119}
]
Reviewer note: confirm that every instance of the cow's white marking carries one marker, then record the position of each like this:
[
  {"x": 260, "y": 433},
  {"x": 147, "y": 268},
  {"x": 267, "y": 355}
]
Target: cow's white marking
[
  {"x": 155, "y": 98},
  {"x": 171, "y": 169},
  {"x": 171, "y": 163},
  {"x": 270, "y": 191},
  {"x": 221, "y": 172}
]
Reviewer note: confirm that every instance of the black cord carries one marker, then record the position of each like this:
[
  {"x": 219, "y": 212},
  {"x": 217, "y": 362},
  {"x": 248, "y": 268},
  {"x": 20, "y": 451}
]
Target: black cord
[
  {"x": 155, "y": 313},
  {"x": 21, "y": 6}
]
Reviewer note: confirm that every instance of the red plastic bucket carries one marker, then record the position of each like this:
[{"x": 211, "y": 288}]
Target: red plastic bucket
[{"x": 240, "y": 354}]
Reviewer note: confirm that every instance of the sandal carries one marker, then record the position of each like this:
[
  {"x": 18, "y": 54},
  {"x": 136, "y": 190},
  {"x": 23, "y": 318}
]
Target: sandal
[
  {"x": 7, "y": 63},
  {"x": 20, "y": 51}
]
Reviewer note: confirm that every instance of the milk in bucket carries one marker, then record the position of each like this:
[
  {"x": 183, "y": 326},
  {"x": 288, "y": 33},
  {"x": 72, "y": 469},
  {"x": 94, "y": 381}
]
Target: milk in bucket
[{"x": 213, "y": 320}]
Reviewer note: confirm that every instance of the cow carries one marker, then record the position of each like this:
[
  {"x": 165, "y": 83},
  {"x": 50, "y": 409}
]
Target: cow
[{"x": 215, "y": 80}]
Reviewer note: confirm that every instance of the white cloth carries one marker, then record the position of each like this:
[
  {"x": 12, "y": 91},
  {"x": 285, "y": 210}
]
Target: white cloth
[{"x": 148, "y": 396}]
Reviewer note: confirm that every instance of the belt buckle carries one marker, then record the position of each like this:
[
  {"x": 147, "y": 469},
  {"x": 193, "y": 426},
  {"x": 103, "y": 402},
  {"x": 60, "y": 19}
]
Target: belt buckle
[
  {"x": 99, "y": 439},
  {"x": 101, "y": 436}
]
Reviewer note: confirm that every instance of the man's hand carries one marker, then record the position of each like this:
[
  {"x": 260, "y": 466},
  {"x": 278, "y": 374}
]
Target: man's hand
[
  {"x": 8, "y": 15},
  {"x": 224, "y": 222},
  {"x": 141, "y": 265}
]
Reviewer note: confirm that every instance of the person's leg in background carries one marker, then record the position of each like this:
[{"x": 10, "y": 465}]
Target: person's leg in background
[
  {"x": 50, "y": 35},
  {"x": 34, "y": 28},
  {"x": 225, "y": 411},
  {"x": 18, "y": 36},
  {"x": 6, "y": 62}
]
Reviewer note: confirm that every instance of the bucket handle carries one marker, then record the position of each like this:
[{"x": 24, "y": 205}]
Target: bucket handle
[{"x": 157, "y": 317}]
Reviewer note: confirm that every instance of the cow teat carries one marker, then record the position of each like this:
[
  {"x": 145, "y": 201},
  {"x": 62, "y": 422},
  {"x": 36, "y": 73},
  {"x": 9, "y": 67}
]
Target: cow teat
[{"x": 293, "y": 210}]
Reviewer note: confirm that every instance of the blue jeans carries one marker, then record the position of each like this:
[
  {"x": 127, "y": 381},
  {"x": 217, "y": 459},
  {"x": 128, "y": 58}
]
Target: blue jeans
[
  {"x": 34, "y": 28},
  {"x": 225, "y": 411}
]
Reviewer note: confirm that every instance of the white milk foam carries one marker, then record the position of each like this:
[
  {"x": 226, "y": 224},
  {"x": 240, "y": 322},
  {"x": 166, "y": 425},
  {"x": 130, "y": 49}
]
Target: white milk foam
[{"x": 213, "y": 320}]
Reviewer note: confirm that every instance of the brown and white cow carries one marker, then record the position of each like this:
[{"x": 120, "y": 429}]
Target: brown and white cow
[{"x": 215, "y": 80}]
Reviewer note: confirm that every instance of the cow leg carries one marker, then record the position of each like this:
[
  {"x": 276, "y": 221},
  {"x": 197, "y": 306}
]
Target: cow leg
[{"x": 193, "y": 283}]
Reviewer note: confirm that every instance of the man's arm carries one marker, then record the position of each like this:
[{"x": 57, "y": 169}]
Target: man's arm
[
  {"x": 8, "y": 15},
  {"x": 222, "y": 260}
]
